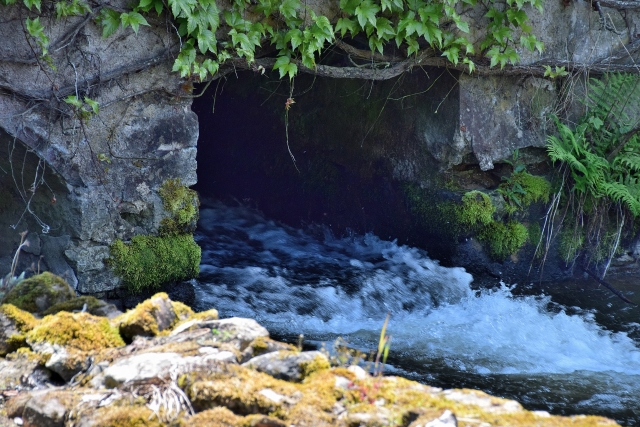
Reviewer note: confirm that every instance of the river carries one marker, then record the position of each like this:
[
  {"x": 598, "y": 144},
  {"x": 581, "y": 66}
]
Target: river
[{"x": 566, "y": 348}]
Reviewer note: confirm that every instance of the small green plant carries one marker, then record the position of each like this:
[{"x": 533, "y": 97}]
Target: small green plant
[
  {"x": 521, "y": 189},
  {"x": 384, "y": 344},
  {"x": 553, "y": 73}
]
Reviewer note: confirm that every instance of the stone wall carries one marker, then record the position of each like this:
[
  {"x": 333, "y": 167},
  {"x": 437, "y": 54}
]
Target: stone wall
[{"x": 107, "y": 167}]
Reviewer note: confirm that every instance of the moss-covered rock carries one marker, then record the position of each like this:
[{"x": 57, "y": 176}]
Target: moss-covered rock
[
  {"x": 147, "y": 262},
  {"x": 476, "y": 209},
  {"x": 149, "y": 318},
  {"x": 80, "y": 331},
  {"x": 93, "y": 306},
  {"x": 14, "y": 324},
  {"x": 38, "y": 293},
  {"x": 124, "y": 416},
  {"x": 504, "y": 239}
]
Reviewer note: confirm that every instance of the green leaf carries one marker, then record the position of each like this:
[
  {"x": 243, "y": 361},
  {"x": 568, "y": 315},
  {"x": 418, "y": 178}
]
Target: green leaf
[
  {"x": 110, "y": 20},
  {"x": 206, "y": 41},
  {"x": 345, "y": 24},
  {"x": 288, "y": 8},
  {"x": 349, "y": 6},
  {"x": 285, "y": 67},
  {"x": 73, "y": 100},
  {"x": 32, "y": 3},
  {"x": 462, "y": 26},
  {"x": 294, "y": 36},
  {"x": 133, "y": 19},
  {"x": 366, "y": 12},
  {"x": 93, "y": 104}
]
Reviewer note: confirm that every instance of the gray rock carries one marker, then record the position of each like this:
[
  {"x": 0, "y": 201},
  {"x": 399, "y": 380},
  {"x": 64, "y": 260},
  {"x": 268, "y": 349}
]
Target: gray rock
[
  {"x": 484, "y": 401},
  {"x": 44, "y": 409},
  {"x": 145, "y": 366},
  {"x": 285, "y": 365},
  {"x": 447, "y": 419},
  {"x": 237, "y": 331},
  {"x": 66, "y": 362},
  {"x": 263, "y": 345}
]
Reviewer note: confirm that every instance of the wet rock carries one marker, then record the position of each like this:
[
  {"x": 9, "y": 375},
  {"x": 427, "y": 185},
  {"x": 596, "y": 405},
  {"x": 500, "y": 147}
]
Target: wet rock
[
  {"x": 288, "y": 365},
  {"x": 38, "y": 293}
]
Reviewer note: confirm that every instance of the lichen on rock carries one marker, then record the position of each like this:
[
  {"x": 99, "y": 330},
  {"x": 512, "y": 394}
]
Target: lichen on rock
[{"x": 149, "y": 318}]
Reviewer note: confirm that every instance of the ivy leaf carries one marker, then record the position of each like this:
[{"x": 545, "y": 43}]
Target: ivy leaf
[
  {"x": 288, "y": 8},
  {"x": 367, "y": 12},
  {"x": 376, "y": 44},
  {"x": 516, "y": 17},
  {"x": 462, "y": 25},
  {"x": 93, "y": 104},
  {"x": 345, "y": 24},
  {"x": 384, "y": 29},
  {"x": 452, "y": 54},
  {"x": 349, "y": 6},
  {"x": 502, "y": 35},
  {"x": 110, "y": 20},
  {"x": 31, "y": 3},
  {"x": 206, "y": 41},
  {"x": 134, "y": 19},
  {"x": 430, "y": 13},
  {"x": 73, "y": 100},
  {"x": 413, "y": 47},
  {"x": 285, "y": 67},
  {"x": 294, "y": 36}
]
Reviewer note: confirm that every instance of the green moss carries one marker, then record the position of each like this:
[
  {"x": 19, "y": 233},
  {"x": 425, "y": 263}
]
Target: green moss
[
  {"x": 126, "y": 416},
  {"x": 318, "y": 364},
  {"x": 23, "y": 320},
  {"x": 435, "y": 214},
  {"x": 182, "y": 204},
  {"x": 476, "y": 209},
  {"x": 504, "y": 239},
  {"x": 521, "y": 189},
  {"x": 143, "y": 319},
  {"x": 39, "y": 292},
  {"x": 81, "y": 331},
  {"x": 149, "y": 261}
]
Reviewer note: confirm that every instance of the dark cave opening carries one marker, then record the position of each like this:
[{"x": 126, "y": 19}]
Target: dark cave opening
[{"x": 358, "y": 147}]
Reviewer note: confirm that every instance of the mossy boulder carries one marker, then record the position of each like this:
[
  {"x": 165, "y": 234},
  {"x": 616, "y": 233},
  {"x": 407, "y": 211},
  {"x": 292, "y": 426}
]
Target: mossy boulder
[
  {"x": 93, "y": 306},
  {"x": 38, "y": 293},
  {"x": 79, "y": 331},
  {"x": 14, "y": 324},
  {"x": 150, "y": 317}
]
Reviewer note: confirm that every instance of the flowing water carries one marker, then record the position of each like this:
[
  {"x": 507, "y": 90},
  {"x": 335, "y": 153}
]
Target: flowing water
[{"x": 566, "y": 348}]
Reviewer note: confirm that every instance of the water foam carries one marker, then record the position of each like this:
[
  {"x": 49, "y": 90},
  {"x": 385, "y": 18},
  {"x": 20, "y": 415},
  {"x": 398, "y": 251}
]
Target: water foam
[{"x": 321, "y": 286}]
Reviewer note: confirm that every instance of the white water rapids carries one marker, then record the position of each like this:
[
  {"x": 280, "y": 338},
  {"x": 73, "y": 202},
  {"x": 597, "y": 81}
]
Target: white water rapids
[{"x": 308, "y": 282}]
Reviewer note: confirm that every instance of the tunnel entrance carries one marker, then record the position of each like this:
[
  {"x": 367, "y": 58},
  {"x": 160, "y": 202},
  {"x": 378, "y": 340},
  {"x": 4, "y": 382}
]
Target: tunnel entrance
[
  {"x": 33, "y": 199},
  {"x": 355, "y": 148}
]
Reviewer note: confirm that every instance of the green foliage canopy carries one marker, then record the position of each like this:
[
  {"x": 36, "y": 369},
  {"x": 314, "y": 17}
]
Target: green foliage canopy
[{"x": 300, "y": 35}]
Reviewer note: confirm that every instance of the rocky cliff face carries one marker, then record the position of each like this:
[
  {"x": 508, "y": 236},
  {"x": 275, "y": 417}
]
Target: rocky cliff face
[
  {"x": 78, "y": 184},
  {"x": 87, "y": 182}
]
